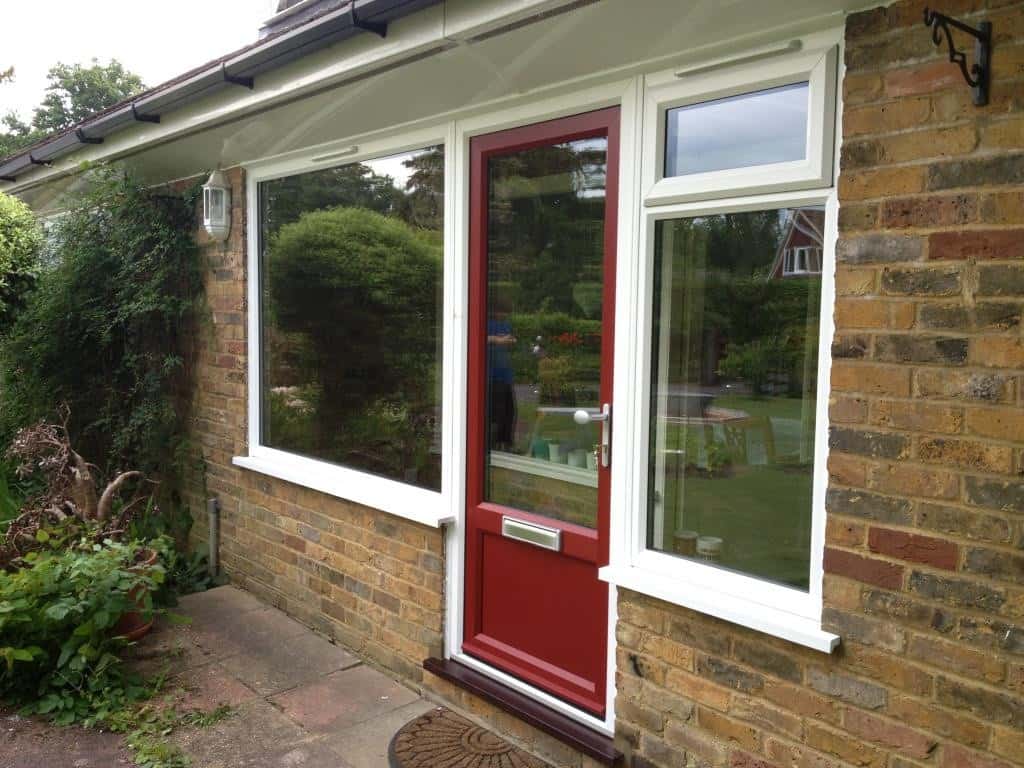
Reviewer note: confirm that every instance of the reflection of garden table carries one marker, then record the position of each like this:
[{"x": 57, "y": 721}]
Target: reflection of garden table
[{"x": 735, "y": 426}]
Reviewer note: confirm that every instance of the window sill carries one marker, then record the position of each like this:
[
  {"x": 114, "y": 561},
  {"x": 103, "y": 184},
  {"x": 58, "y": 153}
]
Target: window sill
[
  {"x": 788, "y": 626},
  {"x": 405, "y": 501},
  {"x": 549, "y": 469}
]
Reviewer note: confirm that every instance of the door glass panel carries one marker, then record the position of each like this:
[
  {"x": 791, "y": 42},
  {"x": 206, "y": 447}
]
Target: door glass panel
[
  {"x": 734, "y": 377},
  {"x": 757, "y": 128},
  {"x": 545, "y": 261}
]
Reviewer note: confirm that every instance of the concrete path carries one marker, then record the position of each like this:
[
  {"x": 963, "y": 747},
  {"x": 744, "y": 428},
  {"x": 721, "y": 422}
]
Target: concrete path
[{"x": 300, "y": 701}]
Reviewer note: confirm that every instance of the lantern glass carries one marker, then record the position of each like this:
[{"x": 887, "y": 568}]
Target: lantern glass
[{"x": 217, "y": 206}]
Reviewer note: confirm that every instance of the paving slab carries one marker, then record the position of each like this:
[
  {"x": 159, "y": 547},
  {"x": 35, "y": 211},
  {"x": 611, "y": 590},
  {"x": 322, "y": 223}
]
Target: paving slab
[
  {"x": 257, "y": 736},
  {"x": 343, "y": 699},
  {"x": 208, "y": 687},
  {"x": 228, "y": 635},
  {"x": 365, "y": 745},
  {"x": 219, "y": 602},
  {"x": 167, "y": 648},
  {"x": 280, "y": 664}
]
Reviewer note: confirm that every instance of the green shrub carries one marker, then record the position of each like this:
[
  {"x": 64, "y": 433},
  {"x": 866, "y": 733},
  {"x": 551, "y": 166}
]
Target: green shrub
[
  {"x": 58, "y": 652},
  {"x": 756, "y": 361},
  {"x": 20, "y": 243},
  {"x": 106, "y": 328},
  {"x": 355, "y": 281}
]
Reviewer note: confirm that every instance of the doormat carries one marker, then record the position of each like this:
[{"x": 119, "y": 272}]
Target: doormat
[{"x": 441, "y": 738}]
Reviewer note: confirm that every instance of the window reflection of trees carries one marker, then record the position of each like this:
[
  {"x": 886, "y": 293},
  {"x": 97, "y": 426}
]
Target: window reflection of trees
[{"x": 351, "y": 312}]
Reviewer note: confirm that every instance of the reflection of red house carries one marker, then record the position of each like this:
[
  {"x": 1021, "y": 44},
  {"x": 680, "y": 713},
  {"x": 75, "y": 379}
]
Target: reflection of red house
[{"x": 800, "y": 252}]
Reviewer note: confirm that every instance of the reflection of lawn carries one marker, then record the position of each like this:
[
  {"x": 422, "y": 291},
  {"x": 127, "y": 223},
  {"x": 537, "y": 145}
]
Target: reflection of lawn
[
  {"x": 783, "y": 414},
  {"x": 773, "y": 407},
  {"x": 762, "y": 514}
]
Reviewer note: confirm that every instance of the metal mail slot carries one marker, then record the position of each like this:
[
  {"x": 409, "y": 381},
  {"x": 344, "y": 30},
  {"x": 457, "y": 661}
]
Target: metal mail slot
[{"x": 538, "y": 535}]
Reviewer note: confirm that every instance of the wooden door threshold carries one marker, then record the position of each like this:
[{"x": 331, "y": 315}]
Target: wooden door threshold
[{"x": 576, "y": 735}]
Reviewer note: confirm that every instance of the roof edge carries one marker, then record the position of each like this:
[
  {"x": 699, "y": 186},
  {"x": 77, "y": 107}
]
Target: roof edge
[{"x": 236, "y": 69}]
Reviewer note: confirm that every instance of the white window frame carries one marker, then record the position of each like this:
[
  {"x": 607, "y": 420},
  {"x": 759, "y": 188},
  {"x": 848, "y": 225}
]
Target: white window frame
[
  {"x": 421, "y": 505},
  {"x": 675, "y": 88},
  {"x": 750, "y": 601}
]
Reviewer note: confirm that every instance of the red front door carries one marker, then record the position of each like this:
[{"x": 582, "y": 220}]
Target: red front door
[{"x": 541, "y": 313}]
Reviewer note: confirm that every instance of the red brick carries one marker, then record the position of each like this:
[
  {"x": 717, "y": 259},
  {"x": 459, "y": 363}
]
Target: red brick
[
  {"x": 914, "y": 547},
  {"x": 955, "y": 756},
  {"x": 865, "y": 569},
  {"x": 889, "y": 734},
  {"x": 936, "y": 76},
  {"x": 977, "y": 244},
  {"x": 744, "y": 760},
  {"x": 930, "y": 212}
]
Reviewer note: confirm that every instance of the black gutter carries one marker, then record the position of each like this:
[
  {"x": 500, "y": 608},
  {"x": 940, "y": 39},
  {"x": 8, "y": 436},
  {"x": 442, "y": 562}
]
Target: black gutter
[{"x": 358, "y": 17}]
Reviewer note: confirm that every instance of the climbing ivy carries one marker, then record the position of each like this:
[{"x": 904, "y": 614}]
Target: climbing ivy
[{"x": 107, "y": 328}]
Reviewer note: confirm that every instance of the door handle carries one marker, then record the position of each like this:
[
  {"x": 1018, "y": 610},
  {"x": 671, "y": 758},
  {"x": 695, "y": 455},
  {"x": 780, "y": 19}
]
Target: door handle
[{"x": 583, "y": 416}]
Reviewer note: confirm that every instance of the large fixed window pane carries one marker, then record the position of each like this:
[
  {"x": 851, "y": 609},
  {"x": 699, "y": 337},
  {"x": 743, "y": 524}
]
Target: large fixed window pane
[
  {"x": 757, "y": 128},
  {"x": 734, "y": 383},
  {"x": 545, "y": 284},
  {"x": 351, "y": 297}
]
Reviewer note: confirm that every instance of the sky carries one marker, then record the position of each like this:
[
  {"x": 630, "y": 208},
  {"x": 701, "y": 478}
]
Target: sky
[{"x": 156, "y": 39}]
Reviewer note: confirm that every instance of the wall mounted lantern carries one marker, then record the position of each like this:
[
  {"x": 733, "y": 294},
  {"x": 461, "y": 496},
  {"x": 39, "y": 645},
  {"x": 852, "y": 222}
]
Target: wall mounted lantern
[
  {"x": 217, "y": 206},
  {"x": 979, "y": 74}
]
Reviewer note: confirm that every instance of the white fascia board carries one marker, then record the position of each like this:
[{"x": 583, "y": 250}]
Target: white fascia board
[{"x": 408, "y": 38}]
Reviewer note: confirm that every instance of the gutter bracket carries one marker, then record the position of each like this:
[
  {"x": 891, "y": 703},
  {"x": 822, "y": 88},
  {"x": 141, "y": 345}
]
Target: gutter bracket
[
  {"x": 144, "y": 118},
  {"x": 32, "y": 159},
  {"x": 979, "y": 75},
  {"x": 83, "y": 139},
  {"x": 377, "y": 27},
  {"x": 248, "y": 82}
]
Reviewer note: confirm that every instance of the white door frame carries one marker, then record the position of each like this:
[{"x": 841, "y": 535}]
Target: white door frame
[{"x": 626, "y": 95}]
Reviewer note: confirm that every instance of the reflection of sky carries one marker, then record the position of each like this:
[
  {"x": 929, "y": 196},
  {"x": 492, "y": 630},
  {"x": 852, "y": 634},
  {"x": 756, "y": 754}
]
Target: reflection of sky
[
  {"x": 751, "y": 129},
  {"x": 394, "y": 167}
]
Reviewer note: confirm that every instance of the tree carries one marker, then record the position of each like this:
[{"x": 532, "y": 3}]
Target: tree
[
  {"x": 20, "y": 244},
  {"x": 358, "y": 286},
  {"x": 74, "y": 92},
  {"x": 6, "y": 75}
]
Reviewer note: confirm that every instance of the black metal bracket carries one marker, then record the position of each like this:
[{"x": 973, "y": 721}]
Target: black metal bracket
[
  {"x": 377, "y": 27},
  {"x": 83, "y": 139},
  {"x": 32, "y": 159},
  {"x": 144, "y": 118},
  {"x": 979, "y": 74},
  {"x": 248, "y": 82}
]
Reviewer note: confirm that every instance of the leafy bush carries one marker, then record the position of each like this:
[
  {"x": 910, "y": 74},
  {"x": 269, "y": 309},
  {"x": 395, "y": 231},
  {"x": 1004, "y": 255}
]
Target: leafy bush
[
  {"x": 757, "y": 360},
  {"x": 550, "y": 327},
  {"x": 59, "y": 655},
  {"x": 106, "y": 328},
  {"x": 20, "y": 243},
  {"x": 380, "y": 272}
]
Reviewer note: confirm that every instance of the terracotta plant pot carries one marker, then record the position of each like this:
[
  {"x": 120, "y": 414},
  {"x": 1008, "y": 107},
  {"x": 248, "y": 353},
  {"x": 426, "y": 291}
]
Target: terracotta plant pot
[{"x": 134, "y": 625}]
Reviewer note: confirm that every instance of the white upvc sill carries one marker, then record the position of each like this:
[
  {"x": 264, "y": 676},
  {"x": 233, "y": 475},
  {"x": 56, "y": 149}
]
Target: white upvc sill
[
  {"x": 788, "y": 626},
  {"x": 398, "y": 499}
]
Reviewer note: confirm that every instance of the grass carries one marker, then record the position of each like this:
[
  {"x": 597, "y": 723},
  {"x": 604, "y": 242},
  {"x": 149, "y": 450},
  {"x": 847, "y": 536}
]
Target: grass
[{"x": 760, "y": 508}]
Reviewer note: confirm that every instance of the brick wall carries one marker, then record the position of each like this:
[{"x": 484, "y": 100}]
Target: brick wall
[
  {"x": 371, "y": 581},
  {"x": 925, "y": 536}
]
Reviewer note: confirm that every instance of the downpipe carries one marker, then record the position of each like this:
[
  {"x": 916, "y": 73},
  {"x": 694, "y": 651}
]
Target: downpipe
[{"x": 213, "y": 517}]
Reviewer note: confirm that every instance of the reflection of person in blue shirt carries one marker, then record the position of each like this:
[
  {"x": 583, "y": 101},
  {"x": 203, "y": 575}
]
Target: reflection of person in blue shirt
[{"x": 500, "y": 375}]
